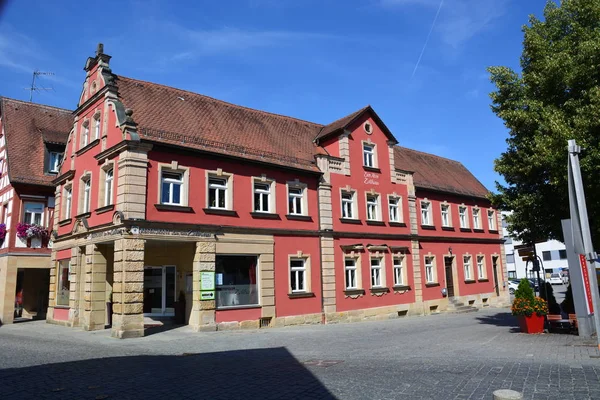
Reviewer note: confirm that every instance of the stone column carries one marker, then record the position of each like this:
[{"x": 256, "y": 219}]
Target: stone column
[
  {"x": 128, "y": 289},
  {"x": 328, "y": 266},
  {"x": 132, "y": 172},
  {"x": 202, "y": 317},
  {"x": 74, "y": 286},
  {"x": 8, "y": 285},
  {"x": 52, "y": 286},
  {"x": 267, "y": 284},
  {"x": 418, "y": 279},
  {"x": 94, "y": 314},
  {"x": 344, "y": 142}
]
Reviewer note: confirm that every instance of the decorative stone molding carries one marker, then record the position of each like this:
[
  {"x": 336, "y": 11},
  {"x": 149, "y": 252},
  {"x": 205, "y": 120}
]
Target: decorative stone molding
[
  {"x": 328, "y": 273},
  {"x": 344, "y": 143},
  {"x": 132, "y": 181}
]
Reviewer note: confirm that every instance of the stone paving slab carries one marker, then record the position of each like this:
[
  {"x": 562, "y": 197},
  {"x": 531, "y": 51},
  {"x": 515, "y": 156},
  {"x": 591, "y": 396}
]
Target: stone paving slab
[{"x": 464, "y": 356}]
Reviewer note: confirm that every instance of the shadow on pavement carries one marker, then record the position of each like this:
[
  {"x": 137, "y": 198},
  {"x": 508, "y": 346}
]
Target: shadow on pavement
[
  {"x": 501, "y": 319},
  {"x": 243, "y": 374}
]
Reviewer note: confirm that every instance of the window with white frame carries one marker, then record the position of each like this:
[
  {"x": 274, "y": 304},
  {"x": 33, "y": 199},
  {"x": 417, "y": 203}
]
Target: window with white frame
[
  {"x": 446, "y": 221},
  {"x": 87, "y": 195},
  {"x": 467, "y": 267},
  {"x": 54, "y": 161},
  {"x": 398, "y": 270},
  {"x": 491, "y": 220},
  {"x": 68, "y": 202},
  {"x": 350, "y": 272},
  {"x": 394, "y": 208},
  {"x": 462, "y": 216},
  {"x": 97, "y": 126},
  {"x": 296, "y": 200},
  {"x": 108, "y": 187},
  {"x": 369, "y": 155},
  {"x": 217, "y": 193},
  {"x": 426, "y": 213},
  {"x": 376, "y": 272},
  {"x": 85, "y": 134},
  {"x": 63, "y": 284},
  {"x": 476, "y": 219},
  {"x": 171, "y": 184},
  {"x": 298, "y": 275},
  {"x": 372, "y": 207},
  {"x": 429, "y": 269},
  {"x": 34, "y": 213},
  {"x": 480, "y": 267},
  {"x": 347, "y": 204},
  {"x": 262, "y": 197}
]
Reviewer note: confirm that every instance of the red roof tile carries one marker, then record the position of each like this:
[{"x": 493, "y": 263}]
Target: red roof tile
[
  {"x": 26, "y": 127},
  {"x": 438, "y": 173}
]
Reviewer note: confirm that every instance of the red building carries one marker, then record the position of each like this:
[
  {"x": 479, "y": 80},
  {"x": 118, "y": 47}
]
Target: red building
[
  {"x": 32, "y": 141},
  {"x": 256, "y": 219}
]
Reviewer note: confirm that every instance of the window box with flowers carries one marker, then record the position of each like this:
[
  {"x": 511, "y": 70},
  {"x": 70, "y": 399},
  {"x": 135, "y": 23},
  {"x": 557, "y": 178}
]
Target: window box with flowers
[
  {"x": 529, "y": 310},
  {"x": 33, "y": 232}
]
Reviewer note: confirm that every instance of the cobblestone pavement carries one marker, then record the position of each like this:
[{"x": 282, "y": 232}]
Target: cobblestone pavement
[{"x": 465, "y": 356}]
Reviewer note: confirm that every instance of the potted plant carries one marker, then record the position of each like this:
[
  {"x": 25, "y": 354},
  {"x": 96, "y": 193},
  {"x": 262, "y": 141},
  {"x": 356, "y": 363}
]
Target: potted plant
[
  {"x": 29, "y": 231},
  {"x": 530, "y": 310},
  {"x": 180, "y": 308}
]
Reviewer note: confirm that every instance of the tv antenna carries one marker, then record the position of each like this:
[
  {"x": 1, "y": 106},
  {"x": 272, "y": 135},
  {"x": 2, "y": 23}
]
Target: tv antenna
[{"x": 34, "y": 88}]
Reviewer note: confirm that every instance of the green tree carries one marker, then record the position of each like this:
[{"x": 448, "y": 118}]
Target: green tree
[
  {"x": 548, "y": 295},
  {"x": 556, "y": 97},
  {"x": 524, "y": 291}
]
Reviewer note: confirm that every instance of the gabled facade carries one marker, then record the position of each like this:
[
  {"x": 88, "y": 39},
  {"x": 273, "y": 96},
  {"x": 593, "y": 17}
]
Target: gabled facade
[
  {"x": 32, "y": 141},
  {"x": 164, "y": 191}
]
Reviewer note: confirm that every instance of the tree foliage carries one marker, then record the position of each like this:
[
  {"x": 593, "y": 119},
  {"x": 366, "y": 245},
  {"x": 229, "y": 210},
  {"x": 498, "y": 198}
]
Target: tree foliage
[{"x": 556, "y": 97}]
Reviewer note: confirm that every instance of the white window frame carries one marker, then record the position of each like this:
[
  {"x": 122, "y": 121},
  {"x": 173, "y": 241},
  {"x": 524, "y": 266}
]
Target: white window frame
[
  {"x": 68, "y": 193},
  {"x": 463, "y": 216},
  {"x": 397, "y": 207},
  {"x": 491, "y": 214},
  {"x": 426, "y": 219},
  {"x": 373, "y": 207},
  {"x": 109, "y": 177},
  {"x": 480, "y": 259},
  {"x": 97, "y": 126},
  {"x": 353, "y": 270},
  {"x": 430, "y": 273},
  {"x": 475, "y": 211},
  {"x": 297, "y": 271},
  {"x": 54, "y": 162},
  {"x": 301, "y": 198},
  {"x": 86, "y": 194},
  {"x": 348, "y": 205},
  {"x": 377, "y": 272},
  {"x": 33, "y": 214},
  {"x": 85, "y": 133},
  {"x": 399, "y": 268},
  {"x": 467, "y": 261},
  {"x": 220, "y": 191},
  {"x": 445, "y": 212},
  {"x": 369, "y": 155},
  {"x": 172, "y": 182},
  {"x": 270, "y": 194}
]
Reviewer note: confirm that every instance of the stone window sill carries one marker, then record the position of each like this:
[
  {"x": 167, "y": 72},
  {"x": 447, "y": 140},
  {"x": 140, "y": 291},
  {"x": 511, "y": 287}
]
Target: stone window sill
[
  {"x": 378, "y": 290},
  {"x": 432, "y": 284},
  {"x": 172, "y": 207},
  {"x": 465, "y": 229},
  {"x": 375, "y": 223},
  {"x": 493, "y": 230},
  {"x": 64, "y": 222},
  {"x": 104, "y": 209},
  {"x": 226, "y": 308},
  {"x": 218, "y": 211},
  {"x": 428, "y": 227},
  {"x": 448, "y": 228},
  {"x": 294, "y": 217},
  {"x": 478, "y": 230},
  {"x": 90, "y": 145},
  {"x": 372, "y": 169},
  {"x": 350, "y": 221},
  {"x": 300, "y": 295},
  {"x": 263, "y": 215},
  {"x": 483, "y": 280},
  {"x": 62, "y": 307},
  {"x": 468, "y": 281},
  {"x": 354, "y": 292},
  {"x": 84, "y": 215},
  {"x": 397, "y": 224}
]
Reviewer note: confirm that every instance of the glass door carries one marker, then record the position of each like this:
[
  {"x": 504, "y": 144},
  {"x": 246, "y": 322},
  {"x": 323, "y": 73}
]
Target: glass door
[{"x": 159, "y": 291}]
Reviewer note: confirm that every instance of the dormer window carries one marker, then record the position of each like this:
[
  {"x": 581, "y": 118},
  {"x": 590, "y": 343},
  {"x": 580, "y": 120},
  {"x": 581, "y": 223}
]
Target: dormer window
[{"x": 54, "y": 161}]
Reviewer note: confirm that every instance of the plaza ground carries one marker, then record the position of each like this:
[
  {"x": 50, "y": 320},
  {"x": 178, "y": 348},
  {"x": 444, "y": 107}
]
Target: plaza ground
[{"x": 460, "y": 356}]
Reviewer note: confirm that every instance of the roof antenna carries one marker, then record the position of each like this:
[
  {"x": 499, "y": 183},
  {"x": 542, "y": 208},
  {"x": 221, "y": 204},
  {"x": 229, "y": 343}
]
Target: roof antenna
[{"x": 34, "y": 88}]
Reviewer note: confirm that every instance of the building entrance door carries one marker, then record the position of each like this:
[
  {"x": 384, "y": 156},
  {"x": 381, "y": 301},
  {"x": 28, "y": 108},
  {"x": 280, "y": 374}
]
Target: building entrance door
[
  {"x": 449, "y": 276},
  {"x": 159, "y": 291}
]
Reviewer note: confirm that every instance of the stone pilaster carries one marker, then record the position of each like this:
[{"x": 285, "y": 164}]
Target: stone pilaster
[
  {"x": 94, "y": 314},
  {"x": 128, "y": 289},
  {"x": 344, "y": 142},
  {"x": 328, "y": 267},
  {"x": 8, "y": 285},
  {"x": 417, "y": 276},
  {"x": 132, "y": 181},
  {"x": 267, "y": 284},
  {"x": 202, "y": 317},
  {"x": 58, "y": 208},
  {"x": 391, "y": 146},
  {"x": 74, "y": 286},
  {"x": 325, "y": 208}
]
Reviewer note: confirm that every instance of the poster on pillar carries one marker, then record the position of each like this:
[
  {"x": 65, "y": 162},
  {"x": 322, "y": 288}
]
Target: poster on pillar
[{"x": 207, "y": 285}]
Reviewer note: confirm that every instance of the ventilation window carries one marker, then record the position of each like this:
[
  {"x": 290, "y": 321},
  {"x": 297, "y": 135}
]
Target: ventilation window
[
  {"x": 368, "y": 128},
  {"x": 265, "y": 322}
]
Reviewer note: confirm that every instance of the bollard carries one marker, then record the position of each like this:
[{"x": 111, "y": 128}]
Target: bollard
[{"x": 506, "y": 394}]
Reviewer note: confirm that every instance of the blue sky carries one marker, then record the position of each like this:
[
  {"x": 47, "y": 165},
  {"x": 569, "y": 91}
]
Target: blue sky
[{"x": 312, "y": 59}]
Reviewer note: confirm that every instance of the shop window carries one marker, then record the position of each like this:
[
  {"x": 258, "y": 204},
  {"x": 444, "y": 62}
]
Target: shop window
[
  {"x": 298, "y": 279},
  {"x": 376, "y": 272},
  {"x": 369, "y": 159},
  {"x": 171, "y": 188},
  {"x": 395, "y": 208},
  {"x": 34, "y": 213},
  {"x": 425, "y": 213},
  {"x": 372, "y": 207},
  {"x": 476, "y": 219},
  {"x": 480, "y": 267},
  {"x": 491, "y": 220},
  {"x": 236, "y": 281},
  {"x": 462, "y": 216},
  {"x": 350, "y": 272},
  {"x": 399, "y": 270},
  {"x": 430, "y": 269},
  {"x": 62, "y": 288},
  {"x": 467, "y": 268},
  {"x": 446, "y": 220},
  {"x": 348, "y": 204}
]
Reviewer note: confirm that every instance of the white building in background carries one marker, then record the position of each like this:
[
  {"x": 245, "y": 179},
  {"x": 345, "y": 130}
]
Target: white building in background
[{"x": 552, "y": 252}]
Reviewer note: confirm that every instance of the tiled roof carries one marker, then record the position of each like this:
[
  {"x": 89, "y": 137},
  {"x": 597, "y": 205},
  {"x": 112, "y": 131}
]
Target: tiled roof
[
  {"x": 340, "y": 123},
  {"x": 173, "y": 116},
  {"x": 26, "y": 127},
  {"x": 438, "y": 173}
]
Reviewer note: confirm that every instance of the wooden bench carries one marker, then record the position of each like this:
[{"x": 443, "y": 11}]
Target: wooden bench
[{"x": 556, "y": 323}]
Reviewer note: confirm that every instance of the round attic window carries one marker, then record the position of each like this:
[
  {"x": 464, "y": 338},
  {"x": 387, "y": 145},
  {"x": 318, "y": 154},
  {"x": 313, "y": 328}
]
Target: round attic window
[{"x": 368, "y": 128}]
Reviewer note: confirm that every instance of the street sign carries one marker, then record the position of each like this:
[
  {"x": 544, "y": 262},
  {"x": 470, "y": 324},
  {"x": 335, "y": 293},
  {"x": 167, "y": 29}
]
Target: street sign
[{"x": 526, "y": 252}]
